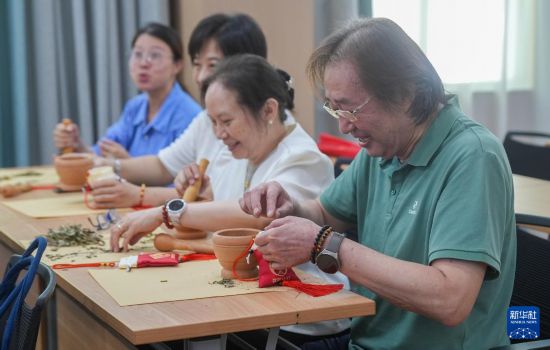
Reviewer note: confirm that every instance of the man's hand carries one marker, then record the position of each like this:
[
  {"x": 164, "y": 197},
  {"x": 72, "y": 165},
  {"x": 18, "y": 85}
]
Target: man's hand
[
  {"x": 287, "y": 242},
  {"x": 268, "y": 199}
]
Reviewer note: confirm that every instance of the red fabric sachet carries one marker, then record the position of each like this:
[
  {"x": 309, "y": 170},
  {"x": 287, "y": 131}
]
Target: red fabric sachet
[
  {"x": 288, "y": 278},
  {"x": 157, "y": 259}
]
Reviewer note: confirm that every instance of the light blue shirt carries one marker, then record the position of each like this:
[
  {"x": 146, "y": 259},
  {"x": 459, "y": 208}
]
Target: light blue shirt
[{"x": 138, "y": 136}]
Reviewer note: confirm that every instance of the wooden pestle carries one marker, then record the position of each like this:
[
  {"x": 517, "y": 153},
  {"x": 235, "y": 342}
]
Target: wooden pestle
[
  {"x": 165, "y": 243},
  {"x": 192, "y": 192},
  {"x": 13, "y": 190},
  {"x": 69, "y": 149}
]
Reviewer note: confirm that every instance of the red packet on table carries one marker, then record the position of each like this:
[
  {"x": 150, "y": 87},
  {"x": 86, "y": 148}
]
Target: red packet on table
[
  {"x": 149, "y": 259},
  {"x": 142, "y": 260},
  {"x": 268, "y": 278}
]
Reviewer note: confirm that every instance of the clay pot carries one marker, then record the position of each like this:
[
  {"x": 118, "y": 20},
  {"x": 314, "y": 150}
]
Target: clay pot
[
  {"x": 228, "y": 245},
  {"x": 72, "y": 169}
]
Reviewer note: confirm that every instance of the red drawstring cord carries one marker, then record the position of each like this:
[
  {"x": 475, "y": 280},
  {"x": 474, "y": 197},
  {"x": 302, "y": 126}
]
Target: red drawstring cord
[
  {"x": 70, "y": 266},
  {"x": 196, "y": 256},
  {"x": 44, "y": 187},
  {"x": 241, "y": 256},
  {"x": 86, "y": 189}
]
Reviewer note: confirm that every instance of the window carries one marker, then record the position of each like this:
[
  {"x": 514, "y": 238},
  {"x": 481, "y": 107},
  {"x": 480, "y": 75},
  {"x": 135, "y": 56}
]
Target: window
[{"x": 466, "y": 39}]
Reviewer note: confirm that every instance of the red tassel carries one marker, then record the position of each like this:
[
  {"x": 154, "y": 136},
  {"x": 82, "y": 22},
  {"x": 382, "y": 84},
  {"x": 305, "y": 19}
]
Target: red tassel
[{"x": 315, "y": 290}]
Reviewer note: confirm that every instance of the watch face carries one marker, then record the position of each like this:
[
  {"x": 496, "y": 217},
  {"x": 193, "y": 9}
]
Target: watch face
[
  {"x": 175, "y": 205},
  {"x": 327, "y": 263}
]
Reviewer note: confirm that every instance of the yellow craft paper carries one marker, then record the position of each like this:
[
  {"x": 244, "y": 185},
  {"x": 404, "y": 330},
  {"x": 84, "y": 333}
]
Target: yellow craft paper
[
  {"x": 67, "y": 204},
  {"x": 189, "y": 280},
  {"x": 45, "y": 176}
]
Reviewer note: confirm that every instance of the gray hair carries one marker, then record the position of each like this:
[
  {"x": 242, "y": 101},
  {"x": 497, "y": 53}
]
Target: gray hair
[{"x": 390, "y": 65}]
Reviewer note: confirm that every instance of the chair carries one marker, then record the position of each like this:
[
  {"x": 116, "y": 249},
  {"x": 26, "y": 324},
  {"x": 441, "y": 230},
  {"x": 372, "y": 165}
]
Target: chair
[
  {"x": 532, "y": 280},
  {"x": 532, "y": 345},
  {"x": 19, "y": 321},
  {"x": 528, "y": 153}
]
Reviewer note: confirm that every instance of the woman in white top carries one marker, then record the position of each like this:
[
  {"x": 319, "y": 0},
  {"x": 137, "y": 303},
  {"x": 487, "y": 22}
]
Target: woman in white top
[
  {"x": 245, "y": 99},
  {"x": 214, "y": 38}
]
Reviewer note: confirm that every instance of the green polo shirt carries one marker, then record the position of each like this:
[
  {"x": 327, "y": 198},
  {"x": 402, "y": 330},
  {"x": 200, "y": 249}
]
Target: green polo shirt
[{"x": 452, "y": 199}]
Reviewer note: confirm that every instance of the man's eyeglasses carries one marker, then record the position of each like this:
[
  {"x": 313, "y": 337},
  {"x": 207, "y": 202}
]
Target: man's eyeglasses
[
  {"x": 348, "y": 115},
  {"x": 153, "y": 57}
]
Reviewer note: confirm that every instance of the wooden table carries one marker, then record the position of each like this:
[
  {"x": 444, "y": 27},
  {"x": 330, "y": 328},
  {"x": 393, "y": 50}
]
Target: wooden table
[
  {"x": 532, "y": 202},
  {"x": 89, "y": 318}
]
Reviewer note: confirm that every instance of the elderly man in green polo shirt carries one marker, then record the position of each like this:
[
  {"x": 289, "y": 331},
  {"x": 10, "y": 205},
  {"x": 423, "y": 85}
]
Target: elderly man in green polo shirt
[{"x": 431, "y": 197}]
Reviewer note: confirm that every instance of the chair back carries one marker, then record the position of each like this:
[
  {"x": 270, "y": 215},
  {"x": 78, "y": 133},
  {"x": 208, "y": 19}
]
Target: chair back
[
  {"x": 532, "y": 280},
  {"x": 19, "y": 321},
  {"x": 528, "y": 153}
]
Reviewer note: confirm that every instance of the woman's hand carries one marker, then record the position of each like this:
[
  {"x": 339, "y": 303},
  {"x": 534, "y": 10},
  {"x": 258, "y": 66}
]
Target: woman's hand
[
  {"x": 112, "y": 149},
  {"x": 287, "y": 242},
  {"x": 114, "y": 193},
  {"x": 102, "y": 161},
  {"x": 268, "y": 199},
  {"x": 134, "y": 226},
  {"x": 67, "y": 136},
  {"x": 188, "y": 176}
]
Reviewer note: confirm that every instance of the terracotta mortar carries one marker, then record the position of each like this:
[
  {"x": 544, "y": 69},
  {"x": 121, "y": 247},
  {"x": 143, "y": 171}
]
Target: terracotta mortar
[{"x": 228, "y": 245}]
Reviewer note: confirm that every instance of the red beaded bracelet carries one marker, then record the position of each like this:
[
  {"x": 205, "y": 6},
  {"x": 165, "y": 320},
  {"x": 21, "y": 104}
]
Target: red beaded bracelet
[{"x": 165, "y": 218}]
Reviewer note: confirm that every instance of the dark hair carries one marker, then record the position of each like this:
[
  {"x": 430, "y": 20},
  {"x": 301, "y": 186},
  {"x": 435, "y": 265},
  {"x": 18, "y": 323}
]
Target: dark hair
[
  {"x": 235, "y": 34},
  {"x": 167, "y": 34},
  {"x": 253, "y": 80},
  {"x": 389, "y": 63}
]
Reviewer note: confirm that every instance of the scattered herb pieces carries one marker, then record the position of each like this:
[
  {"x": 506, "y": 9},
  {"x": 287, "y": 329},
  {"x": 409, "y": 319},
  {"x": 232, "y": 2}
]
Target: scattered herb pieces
[
  {"x": 73, "y": 235},
  {"x": 25, "y": 173},
  {"x": 162, "y": 281},
  {"x": 227, "y": 283}
]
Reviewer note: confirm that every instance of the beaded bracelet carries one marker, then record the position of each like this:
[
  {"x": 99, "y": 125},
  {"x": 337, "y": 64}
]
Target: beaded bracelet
[
  {"x": 141, "y": 194},
  {"x": 165, "y": 217},
  {"x": 322, "y": 240},
  {"x": 318, "y": 240}
]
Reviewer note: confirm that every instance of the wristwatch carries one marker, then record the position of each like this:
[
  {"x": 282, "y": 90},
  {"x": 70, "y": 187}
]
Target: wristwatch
[
  {"x": 327, "y": 260},
  {"x": 175, "y": 208}
]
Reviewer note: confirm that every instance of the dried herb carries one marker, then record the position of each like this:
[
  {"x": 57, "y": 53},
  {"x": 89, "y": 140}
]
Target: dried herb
[
  {"x": 73, "y": 235},
  {"x": 227, "y": 283},
  {"x": 25, "y": 173}
]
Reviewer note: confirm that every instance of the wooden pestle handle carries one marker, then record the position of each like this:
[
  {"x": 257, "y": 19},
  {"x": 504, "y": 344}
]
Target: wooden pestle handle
[
  {"x": 167, "y": 243},
  {"x": 13, "y": 190},
  {"x": 192, "y": 192},
  {"x": 68, "y": 149}
]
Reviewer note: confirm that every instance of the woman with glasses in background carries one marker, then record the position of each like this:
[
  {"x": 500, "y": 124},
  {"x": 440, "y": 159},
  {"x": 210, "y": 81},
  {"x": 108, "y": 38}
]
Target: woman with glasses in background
[{"x": 154, "y": 118}]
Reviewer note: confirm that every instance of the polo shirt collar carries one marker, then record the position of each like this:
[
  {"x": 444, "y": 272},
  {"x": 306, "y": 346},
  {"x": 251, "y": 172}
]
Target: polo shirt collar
[
  {"x": 436, "y": 134},
  {"x": 159, "y": 124}
]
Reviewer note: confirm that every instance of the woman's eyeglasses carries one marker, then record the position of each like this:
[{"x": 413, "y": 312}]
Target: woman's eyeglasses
[
  {"x": 104, "y": 221},
  {"x": 152, "y": 57}
]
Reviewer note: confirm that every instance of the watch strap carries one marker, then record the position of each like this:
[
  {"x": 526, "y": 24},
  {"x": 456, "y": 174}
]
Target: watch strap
[{"x": 335, "y": 241}]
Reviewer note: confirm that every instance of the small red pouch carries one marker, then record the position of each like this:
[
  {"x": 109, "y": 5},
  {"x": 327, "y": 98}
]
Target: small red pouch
[
  {"x": 267, "y": 278},
  {"x": 288, "y": 278},
  {"x": 157, "y": 259}
]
